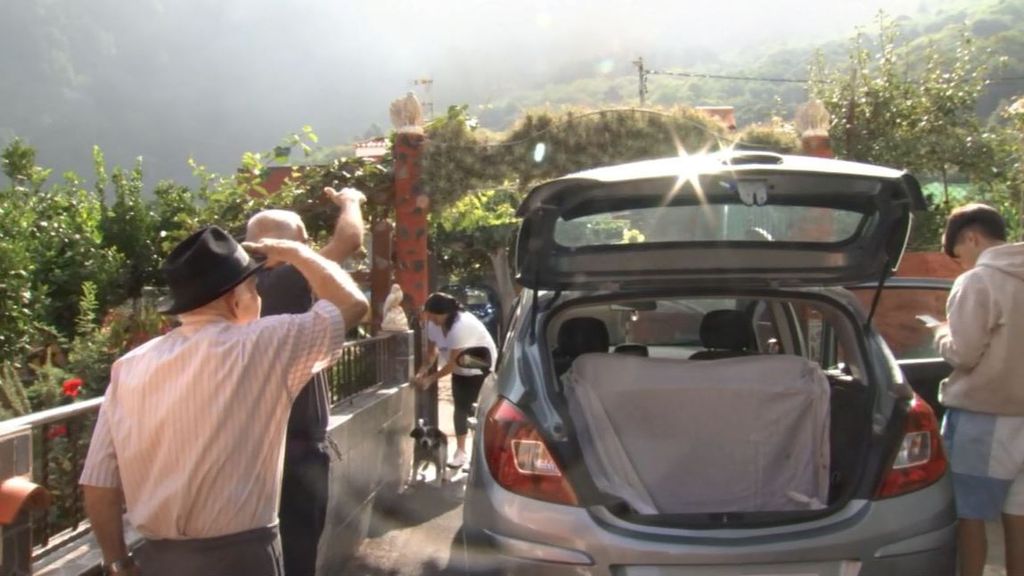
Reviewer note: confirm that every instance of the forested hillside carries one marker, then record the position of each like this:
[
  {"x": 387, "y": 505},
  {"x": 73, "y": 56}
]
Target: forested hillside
[{"x": 767, "y": 87}]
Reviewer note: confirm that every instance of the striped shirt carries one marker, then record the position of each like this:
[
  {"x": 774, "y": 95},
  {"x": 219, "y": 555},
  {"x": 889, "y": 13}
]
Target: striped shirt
[{"x": 192, "y": 426}]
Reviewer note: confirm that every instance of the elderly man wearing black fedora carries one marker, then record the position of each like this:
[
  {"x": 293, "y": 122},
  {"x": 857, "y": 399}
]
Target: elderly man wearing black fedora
[{"x": 190, "y": 435}]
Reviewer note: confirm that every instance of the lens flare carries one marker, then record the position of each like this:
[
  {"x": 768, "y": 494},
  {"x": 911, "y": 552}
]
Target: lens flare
[{"x": 538, "y": 152}]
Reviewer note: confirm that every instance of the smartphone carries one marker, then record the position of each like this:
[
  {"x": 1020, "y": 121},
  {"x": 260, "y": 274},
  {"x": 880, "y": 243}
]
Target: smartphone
[{"x": 928, "y": 320}]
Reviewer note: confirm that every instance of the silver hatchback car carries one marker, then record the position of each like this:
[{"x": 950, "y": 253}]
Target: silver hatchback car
[{"x": 687, "y": 386}]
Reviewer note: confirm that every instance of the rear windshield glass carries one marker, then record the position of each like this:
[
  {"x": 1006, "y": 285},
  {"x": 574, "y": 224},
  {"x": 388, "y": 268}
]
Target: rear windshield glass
[
  {"x": 710, "y": 223},
  {"x": 675, "y": 328}
]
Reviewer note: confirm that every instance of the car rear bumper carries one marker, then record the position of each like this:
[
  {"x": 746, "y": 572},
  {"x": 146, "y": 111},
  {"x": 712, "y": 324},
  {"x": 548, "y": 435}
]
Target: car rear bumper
[{"x": 908, "y": 535}]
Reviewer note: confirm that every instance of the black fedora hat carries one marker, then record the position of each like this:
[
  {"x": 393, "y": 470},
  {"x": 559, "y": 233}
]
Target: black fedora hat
[{"x": 202, "y": 268}]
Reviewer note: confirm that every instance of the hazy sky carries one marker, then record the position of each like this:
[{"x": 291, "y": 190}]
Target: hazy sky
[{"x": 214, "y": 79}]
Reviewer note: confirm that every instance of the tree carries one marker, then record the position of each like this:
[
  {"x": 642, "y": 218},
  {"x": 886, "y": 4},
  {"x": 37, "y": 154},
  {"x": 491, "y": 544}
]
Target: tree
[
  {"x": 1012, "y": 197},
  {"x": 76, "y": 261},
  {"x": 130, "y": 228},
  {"x": 175, "y": 210},
  {"x": 52, "y": 244},
  {"x": 893, "y": 109},
  {"x": 67, "y": 242},
  {"x": 16, "y": 270},
  {"x": 472, "y": 237},
  {"x": 477, "y": 179},
  {"x": 19, "y": 164}
]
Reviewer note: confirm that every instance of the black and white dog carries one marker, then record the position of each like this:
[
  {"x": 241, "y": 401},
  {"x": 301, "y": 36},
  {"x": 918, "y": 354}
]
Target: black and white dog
[{"x": 431, "y": 448}]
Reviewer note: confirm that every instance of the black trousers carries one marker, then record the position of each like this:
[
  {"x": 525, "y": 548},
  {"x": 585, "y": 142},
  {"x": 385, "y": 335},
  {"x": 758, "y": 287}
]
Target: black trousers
[
  {"x": 303, "y": 504},
  {"x": 253, "y": 553},
  {"x": 465, "y": 390}
]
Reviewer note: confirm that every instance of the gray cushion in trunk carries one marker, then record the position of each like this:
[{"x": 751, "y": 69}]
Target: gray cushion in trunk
[{"x": 682, "y": 436}]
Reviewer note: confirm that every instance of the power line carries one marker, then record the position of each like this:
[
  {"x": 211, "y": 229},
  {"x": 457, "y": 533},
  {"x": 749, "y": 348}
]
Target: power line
[
  {"x": 700, "y": 75},
  {"x": 728, "y": 77},
  {"x": 1007, "y": 80}
]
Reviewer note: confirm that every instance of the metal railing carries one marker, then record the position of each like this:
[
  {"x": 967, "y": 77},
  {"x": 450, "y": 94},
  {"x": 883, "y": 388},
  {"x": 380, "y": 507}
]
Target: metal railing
[
  {"x": 363, "y": 364},
  {"x": 60, "y": 438},
  {"x": 60, "y": 441}
]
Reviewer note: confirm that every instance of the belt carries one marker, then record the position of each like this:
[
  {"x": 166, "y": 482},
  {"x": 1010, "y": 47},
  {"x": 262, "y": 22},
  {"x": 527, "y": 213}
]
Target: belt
[{"x": 200, "y": 545}]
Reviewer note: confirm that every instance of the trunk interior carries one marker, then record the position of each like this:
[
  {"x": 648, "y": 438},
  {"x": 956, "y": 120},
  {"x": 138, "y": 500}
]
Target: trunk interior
[{"x": 712, "y": 410}]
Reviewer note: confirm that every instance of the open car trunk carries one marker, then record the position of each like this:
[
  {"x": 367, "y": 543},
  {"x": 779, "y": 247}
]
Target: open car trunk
[{"x": 673, "y": 433}]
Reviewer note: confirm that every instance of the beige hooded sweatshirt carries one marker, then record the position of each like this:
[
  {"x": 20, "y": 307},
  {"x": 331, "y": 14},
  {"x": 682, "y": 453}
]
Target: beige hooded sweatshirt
[{"x": 985, "y": 339}]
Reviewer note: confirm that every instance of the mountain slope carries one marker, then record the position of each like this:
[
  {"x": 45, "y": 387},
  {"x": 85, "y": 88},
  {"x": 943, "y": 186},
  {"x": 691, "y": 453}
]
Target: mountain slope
[{"x": 997, "y": 26}]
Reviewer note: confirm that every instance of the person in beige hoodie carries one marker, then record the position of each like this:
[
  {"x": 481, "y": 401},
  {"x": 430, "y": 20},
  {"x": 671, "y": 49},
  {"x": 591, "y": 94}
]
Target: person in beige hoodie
[{"x": 984, "y": 427}]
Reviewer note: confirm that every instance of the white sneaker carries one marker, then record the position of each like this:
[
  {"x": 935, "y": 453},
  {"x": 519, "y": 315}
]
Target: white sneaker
[{"x": 458, "y": 460}]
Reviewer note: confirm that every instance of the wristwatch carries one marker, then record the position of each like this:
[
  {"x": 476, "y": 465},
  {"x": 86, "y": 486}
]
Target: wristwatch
[{"x": 122, "y": 566}]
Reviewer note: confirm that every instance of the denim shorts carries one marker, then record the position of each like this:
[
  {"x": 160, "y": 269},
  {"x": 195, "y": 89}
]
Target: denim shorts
[{"x": 986, "y": 456}]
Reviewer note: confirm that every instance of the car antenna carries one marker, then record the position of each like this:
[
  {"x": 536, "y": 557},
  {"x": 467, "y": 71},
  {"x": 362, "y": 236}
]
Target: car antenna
[{"x": 886, "y": 271}]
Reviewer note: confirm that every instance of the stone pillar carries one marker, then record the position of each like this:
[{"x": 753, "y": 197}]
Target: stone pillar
[
  {"x": 816, "y": 145},
  {"x": 812, "y": 123},
  {"x": 412, "y": 204}
]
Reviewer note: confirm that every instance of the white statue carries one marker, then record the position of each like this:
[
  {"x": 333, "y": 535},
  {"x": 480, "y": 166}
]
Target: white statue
[
  {"x": 407, "y": 114},
  {"x": 394, "y": 316}
]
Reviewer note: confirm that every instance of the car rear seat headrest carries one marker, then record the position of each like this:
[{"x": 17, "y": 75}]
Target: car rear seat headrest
[
  {"x": 727, "y": 330},
  {"x": 582, "y": 335},
  {"x": 633, "y": 350}
]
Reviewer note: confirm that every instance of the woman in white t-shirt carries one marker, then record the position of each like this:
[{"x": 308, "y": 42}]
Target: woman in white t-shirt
[{"x": 449, "y": 329}]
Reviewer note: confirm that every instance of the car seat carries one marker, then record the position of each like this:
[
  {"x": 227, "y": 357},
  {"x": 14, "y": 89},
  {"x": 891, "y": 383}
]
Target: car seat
[
  {"x": 726, "y": 334},
  {"x": 632, "y": 350},
  {"x": 579, "y": 336}
]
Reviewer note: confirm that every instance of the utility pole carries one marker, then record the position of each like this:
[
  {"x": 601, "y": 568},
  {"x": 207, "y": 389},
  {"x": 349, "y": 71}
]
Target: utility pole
[
  {"x": 639, "y": 63},
  {"x": 428, "y": 100}
]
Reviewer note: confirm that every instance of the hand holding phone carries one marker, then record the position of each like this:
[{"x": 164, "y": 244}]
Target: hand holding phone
[{"x": 928, "y": 320}]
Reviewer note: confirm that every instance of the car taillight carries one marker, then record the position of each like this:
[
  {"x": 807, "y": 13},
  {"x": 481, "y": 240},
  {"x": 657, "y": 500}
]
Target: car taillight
[
  {"x": 519, "y": 460},
  {"x": 920, "y": 460}
]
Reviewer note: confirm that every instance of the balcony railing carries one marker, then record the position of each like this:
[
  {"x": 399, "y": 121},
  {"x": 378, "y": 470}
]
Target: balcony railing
[
  {"x": 60, "y": 437},
  {"x": 363, "y": 364},
  {"x": 60, "y": 441}
]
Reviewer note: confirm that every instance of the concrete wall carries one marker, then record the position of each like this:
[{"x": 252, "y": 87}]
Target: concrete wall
[
  {"x": 372, "y": 456},
  {"x": 372, "y": 460}
]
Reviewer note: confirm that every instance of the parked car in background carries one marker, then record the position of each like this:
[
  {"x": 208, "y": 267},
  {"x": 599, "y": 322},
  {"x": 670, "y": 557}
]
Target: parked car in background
[
  {"x": 481, "y": 301},
  {"x": 688, "y": 386}
]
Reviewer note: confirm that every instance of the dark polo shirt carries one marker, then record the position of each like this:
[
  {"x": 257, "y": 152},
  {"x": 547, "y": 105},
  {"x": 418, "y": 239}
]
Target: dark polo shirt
[{"x": 284, "y": 291}]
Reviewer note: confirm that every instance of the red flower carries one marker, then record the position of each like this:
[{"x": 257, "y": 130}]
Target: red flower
[
  {"x": 57, "y": 431},
  {"x": 71, "y": 386}
]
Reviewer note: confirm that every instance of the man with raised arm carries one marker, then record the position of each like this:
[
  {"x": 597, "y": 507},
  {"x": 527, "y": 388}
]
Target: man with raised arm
[
  {"x": 283, "y": 289},
  {"x": 191, "y": 431}
]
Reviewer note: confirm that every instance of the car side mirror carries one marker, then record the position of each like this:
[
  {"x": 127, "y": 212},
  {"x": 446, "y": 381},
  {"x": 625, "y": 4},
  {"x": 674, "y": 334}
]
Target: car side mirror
[{"x": 476, "y": 358}]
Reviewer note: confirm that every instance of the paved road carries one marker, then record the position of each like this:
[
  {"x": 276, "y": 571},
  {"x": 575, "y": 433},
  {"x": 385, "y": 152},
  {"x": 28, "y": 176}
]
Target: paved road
[
  {"x": 415, "y": 537},
  {"x": 415, "y": 540}
]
